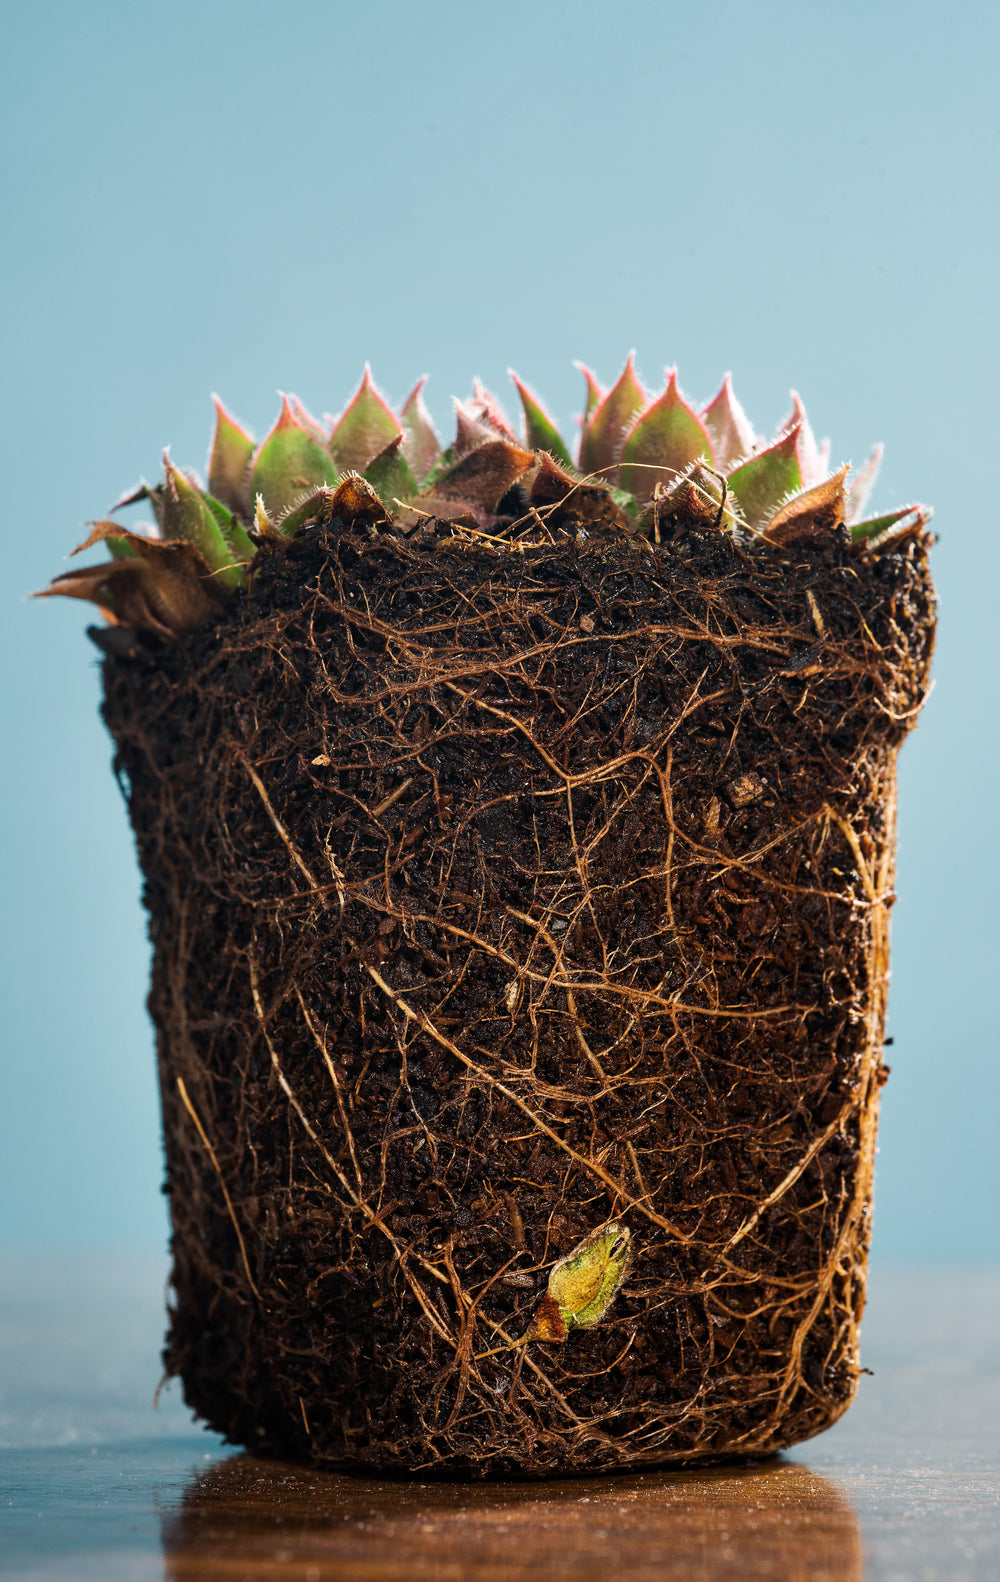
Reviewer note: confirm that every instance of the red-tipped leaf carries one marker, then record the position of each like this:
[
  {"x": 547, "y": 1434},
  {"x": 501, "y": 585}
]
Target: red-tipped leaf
[
  {"x": 595, "y": 393},
  {"x": 187, "y": 515},
  {"x": 876, "y": 528},
  {"x": 487, "y": 409},
  {"x": 288, "y": 462},
  {"x": 367, "y": 425},
  {"x": 470, "y": 433},
  {"x": 317, "y": 429},
  {"x": 601, "y": 445},
  {"x": 390, "y": 476},
  {"x": 539, "y": 429},
  {"x": 730, "y": 429},
  {"x": 229, "y": 462},
  {"x": 420, "y": 442},
  {"x": 667, "y": 439},
  {"x": 763, "y": 482},
  {"x": 810, "y": 455},
  {"x": 860, "y": 486}
]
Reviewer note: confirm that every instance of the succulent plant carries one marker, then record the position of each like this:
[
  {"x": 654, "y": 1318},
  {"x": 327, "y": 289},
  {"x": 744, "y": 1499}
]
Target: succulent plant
[
  {"x": 639, "y": 456},
  {"x": 518, "y": 836}
]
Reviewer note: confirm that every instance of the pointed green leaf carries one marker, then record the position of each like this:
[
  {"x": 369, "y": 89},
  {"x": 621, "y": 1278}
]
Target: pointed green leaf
[
  {"x": 420, "y": 442},
  {"x": 486, "y": 409},
  {"x": 288, "y": 462},
  {"x": 121, "y": 549},
  {"x": 241, "y": 545},
  {"x": 761, "y": 483},
  {"x": 316, "y": 507},
  {"x": 860, "y": 486},
  {"x": 595, "y": 393},
  {"x": 229, "y": 461},
  {"x": 539, "y": 429},
  {"x": 313, "y": 424},
  {"x": 444, "y": 463},
  {"x": 666, "y": 440},
  {"x": 390, "y": 476},
  {"x": 625, "y": 500},
  {"x": 187, "y": 515},
  {"x": 366, "y": 427},
  {"x": 601, "y": 445},
  {"x": 876, "y": 527},
  {"x": 470, "y": 433},
  {"x": 810, "y": 457},
  {"x": 729, "y": 427}
]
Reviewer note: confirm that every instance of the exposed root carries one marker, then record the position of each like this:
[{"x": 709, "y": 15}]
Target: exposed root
[{"x": 499, "y": 891}]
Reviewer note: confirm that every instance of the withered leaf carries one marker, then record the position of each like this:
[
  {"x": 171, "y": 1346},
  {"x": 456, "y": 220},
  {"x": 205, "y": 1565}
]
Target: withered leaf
[
  {"x": 163, "y": 586},
  {"x": 816, "y": 512},
  {"x": 481, "y": 478}
]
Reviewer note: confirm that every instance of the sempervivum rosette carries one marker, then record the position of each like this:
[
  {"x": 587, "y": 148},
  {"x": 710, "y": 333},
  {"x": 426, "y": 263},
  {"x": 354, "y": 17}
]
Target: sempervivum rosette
[{"x": 518, "y": 841}]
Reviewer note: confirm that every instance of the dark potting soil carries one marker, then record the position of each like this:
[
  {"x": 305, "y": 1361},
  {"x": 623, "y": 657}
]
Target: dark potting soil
[{"x": 498, "y": 892}]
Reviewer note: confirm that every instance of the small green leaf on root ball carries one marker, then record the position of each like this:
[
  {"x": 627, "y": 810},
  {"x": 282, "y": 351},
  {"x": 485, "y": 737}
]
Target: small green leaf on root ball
[{"x": 583, "y": 1285}]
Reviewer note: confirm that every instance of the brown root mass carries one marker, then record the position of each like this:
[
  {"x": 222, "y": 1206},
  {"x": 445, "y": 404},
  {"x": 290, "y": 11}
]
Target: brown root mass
[{"x": 496, "y": 892}]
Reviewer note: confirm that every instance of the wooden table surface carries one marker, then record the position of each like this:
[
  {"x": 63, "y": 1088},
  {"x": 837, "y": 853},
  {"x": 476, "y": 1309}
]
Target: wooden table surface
[{"x": 95, "y": 1485}]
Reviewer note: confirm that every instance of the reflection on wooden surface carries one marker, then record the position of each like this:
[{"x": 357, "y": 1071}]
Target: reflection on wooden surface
[{"x": 245, "y": 1518}]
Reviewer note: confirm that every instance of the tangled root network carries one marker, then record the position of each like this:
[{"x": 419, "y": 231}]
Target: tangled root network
[{"x": 500, "y": 893}]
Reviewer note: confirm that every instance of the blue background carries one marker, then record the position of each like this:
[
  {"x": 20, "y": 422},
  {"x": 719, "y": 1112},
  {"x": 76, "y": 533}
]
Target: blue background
[{"x": 250, "y": 196}]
